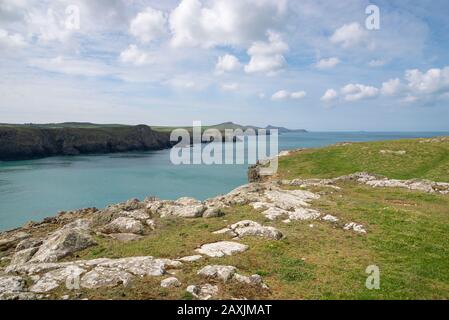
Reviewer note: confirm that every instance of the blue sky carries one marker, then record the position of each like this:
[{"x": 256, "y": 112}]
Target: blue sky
[{"x": 301, "y": 63}]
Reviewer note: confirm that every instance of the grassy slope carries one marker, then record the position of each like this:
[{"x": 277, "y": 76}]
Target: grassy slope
[
  {"x": 422, "y": 160},
  {"x": 407, "y": 235}
]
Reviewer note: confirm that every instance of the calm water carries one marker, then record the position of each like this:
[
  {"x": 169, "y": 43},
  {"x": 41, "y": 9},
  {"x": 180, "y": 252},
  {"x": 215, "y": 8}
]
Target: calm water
[{"x": 34, "y": 189}]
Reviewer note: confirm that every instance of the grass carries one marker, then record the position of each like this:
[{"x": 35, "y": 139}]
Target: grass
[
  {"x": 407, "y": 235},
  {"x": 422, "y": 160}
]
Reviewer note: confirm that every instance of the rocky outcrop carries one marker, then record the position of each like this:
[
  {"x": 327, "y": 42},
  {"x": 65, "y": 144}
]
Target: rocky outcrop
[
  {"x": 228, "y": 273},
  {"x": 250, "y": 228},
  {"x": 33, "y": 141},
  {"x": 222, "y": 248}
]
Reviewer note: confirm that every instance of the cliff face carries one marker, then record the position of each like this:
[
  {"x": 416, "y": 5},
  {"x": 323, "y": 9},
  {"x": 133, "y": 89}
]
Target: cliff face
[{"x": 23, "y": 142}]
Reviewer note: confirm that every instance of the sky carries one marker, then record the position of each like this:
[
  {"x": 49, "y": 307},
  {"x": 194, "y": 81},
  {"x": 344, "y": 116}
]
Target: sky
[{"x": 314, "y": 64}]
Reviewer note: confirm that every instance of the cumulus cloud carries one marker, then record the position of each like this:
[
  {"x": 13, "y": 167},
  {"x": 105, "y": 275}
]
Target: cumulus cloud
[
  {"x": 149, "y": 25},
  {"x": 431, "y": 82},
  {"x": 223, "y": 22},
  {"x": 329, "y": 96},
  {"x": 328, "y": 63},
  {"x": 391, "y": 87},
  {"x": 134, "y": 55},
  {"x": 227, "y": 63},
  {"x": 376, "y": 63},
  {"x": 267, "y": 57},
  {"x": 349, "y": 35},
  {"x": 355, "y": 92},
  {"x": 284, "y": 95},
  {"x": 8, "y": 40}
]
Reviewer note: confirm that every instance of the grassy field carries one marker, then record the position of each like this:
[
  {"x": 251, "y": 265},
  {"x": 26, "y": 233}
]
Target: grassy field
[
  {"x": 407, "y": 234},
  {"x": 429, "y": 160}
]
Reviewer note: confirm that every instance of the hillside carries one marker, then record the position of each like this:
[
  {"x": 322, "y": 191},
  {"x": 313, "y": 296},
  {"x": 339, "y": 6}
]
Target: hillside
[
  {"x": 308, "y": 233},
  {"x": 34, "y": 141}
]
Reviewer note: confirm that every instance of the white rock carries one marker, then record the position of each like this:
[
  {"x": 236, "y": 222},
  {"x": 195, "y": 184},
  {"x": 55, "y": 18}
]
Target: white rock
[
  {"x": 222, "y": 248},
  {"x": 170, "y": 283},
  {"x": 101, "y": 277},
  {"x": 191, "y": 258},
  {"x": 204, "y": 292},
  {"x": 251, "y": 228},
  {"x": 223, "y": 273},
  {"x": 124, "y": 225},
  {"x": 53, "y": 279},
  {"x": 355, "y": 227},
  {"x": 304, "y": 214},
  {"x": 330, "y": 218},
  {"x": 11, "y": 284}
]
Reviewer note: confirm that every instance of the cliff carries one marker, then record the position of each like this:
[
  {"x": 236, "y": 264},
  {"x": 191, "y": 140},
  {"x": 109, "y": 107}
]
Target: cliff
[{"x": 30, "y": 141}]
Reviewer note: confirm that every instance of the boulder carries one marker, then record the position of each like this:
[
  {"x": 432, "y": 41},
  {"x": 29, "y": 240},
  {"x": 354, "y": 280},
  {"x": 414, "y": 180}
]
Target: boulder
[
  {"x": 101, "y": 277},
  {"x": 355, "y": 227},
  {"x": 124, "y": 225},
  {"x": 203, "y": 292},
  {"x": 170, "y": 283},
  {"x": 223, "y": 273},
  {"x": 250, "y": 228},
  {"x": 222, "y": 248},
  {"x": 51, "y": 280},
  {"x": 65, "y": 241}
]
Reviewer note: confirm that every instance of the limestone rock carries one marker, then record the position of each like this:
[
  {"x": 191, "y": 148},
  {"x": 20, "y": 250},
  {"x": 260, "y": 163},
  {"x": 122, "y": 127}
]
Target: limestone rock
[
  {"x": 222, "y": 248},
  {"x": 191, "y": 258},
  {"x": 204, "y": 292},
  {"x": 223, "y": 273},
  {"x": 28, "y": 243},
  {"x": 354, "y": 227},
  {"x": 250, "y": 228},
  {"x": 330, "y": 218},
  {"x": 53, "y": 279},
  {"x": 23, "y": 256},
  {"x": 170, "y": 283},
  {"x": 11, "y": 284},
  {"x": 12, "y": 240},
  {"x": 101, "y": 277},
  {"x": 124, "y": 225},
  {"x": 65, "y": 241}
]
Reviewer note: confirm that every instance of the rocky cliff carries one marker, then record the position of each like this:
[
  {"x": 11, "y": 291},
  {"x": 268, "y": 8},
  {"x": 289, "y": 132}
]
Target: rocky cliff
[{"x": 27, "y": 142}]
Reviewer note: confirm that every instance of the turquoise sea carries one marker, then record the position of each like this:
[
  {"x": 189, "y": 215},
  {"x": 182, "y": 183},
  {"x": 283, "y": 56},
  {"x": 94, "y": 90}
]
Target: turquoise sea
[{"x": 35, "y": 189}]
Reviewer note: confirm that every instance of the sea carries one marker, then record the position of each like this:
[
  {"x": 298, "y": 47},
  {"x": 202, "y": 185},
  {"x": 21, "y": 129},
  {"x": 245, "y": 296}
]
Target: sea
[{"x": 35, "y": 189}]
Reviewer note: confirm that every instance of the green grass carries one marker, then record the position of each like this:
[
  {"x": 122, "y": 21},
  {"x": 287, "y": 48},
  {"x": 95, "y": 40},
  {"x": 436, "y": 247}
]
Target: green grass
[
  {"x": 422, "y": 160},
  {"x": 407, "y": 235}
]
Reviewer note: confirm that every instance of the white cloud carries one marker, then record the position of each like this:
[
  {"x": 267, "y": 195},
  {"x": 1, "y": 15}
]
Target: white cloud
[
  {"x": 328, "y": 63},
  {"x": 8, "y": 40},
  {"x": 391, "y": 87},
  {"x": 135, "y": 56},
  {"x": 376, "y": 63},
  {"x": 329, "y": 95},
  {"x": 430, "y": 82},
  {"x": 230, "y": 86},
  {"x": 284, "y": 94},
  {"x": 72, "y": 67},
  {"x": 224, "y": 22},
  {"x": 349, "y": 35},
  {"x": 267, "y": 57},
  {"x": 149, "y": 25},
  {"x": 355, "y": 92},
  {"x": 298, "y": 95},
  {"x": 227, "y": 63}
]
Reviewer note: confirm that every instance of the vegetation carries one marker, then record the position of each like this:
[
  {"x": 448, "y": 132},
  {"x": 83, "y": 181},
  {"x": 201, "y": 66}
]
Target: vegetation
[{"x": 407, "y": 234}]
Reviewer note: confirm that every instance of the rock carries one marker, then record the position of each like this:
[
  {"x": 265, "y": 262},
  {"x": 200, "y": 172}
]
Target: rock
[
  {"x": 222, "y": 248},
  {"x": 18, "y": 296},
  {"x": 150, "y": 223},
  {"x": 28, "y": 243},
  {"x": 139, "y": 214},
  {"x": 290, "y": 200},
  {"x": 101, "y": 277},
  {"x": 204, "y": 292},
  {"x": 223, "y": 273},
  {"x": 141, "y": 266},
  {"x": 11, "y": 284},
  {"x": 170, "y": 283},
  {"x": 183, "y": 207},
  {"x": 12, "y": 240},
  {"x": 330, "y": 218},
  {"x": 190, "y": 258},
  {"x": 63, "y": 242},
  {"x": 23, "y": 256},
  {"x": 273, "y": 213},
  {"x": 124, "y": 225},
  {"x": 304, "y": 214},
  {"x": 250, "y": 228},
  {"x": 51, "y": 280},
  {"x": 254, "y": 280},
  {"x": 399, "y": 153},
  {"x": 355, "y": 227},
  {"x": 125, "y": 237}
]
